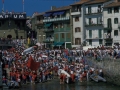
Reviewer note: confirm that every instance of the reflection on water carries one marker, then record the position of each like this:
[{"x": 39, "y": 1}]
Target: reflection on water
[{"x": 54, "y": 85}]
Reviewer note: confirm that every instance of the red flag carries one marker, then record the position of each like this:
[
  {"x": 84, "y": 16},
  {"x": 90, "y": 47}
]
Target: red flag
[
  {"x": 32, "y": 64},
  {"x": 2, "y": 1}
]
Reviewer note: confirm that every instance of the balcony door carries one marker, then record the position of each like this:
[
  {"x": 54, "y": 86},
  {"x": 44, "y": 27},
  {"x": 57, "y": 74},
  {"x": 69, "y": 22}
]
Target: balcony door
[
  {"x": 90, "y": 33},
  {"x": 109, "y": 23}
]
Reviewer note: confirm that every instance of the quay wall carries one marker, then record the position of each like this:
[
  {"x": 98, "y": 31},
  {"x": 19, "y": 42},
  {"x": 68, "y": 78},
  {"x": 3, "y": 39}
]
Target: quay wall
[{"x": 111, "y": 68}]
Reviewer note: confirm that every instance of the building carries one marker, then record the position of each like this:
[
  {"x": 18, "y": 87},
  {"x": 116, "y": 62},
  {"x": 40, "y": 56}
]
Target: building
[
  {"x": 40, "y": 29},
  {"x": 111, "y": 16},
  {"x": 12, "y": 25},
  {"x": 94, "y": 22},
  {"x": 78, "y": 23},
  {"x": 57, "y": 27}
]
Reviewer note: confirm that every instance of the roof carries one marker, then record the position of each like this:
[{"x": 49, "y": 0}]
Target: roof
[
  {"x": 60, "y": 8},
  {"x": 80, "y": 2},
  {"x": 40, "y": 14},
  {"x": 97, "y": 1},
  {"x": 114, "y": 4}
]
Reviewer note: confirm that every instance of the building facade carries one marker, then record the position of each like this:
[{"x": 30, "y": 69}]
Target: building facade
[
  {"x": 13, "y": 25},
  {"x": 40, "y": 29},
  {"x": 111, "y": 16},
  {"x": 78, "y": 22},
  {"x": 57, "y": 27}
]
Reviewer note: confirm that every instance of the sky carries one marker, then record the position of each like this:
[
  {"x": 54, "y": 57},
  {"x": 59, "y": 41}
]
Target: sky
[{"x": 31, "y": 6}]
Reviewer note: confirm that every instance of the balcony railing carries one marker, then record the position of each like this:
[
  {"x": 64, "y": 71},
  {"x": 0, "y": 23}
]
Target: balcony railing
[
  {"x": 97, "y": 37},
  {"x": 56, "y": 19},
  {"x": 99, "y": 24},
  {"x": 94, "y": 12},
  {"x": 48, "y": 30},
  {"x": 49, "y": 40},
  {"x": 108, "y": 27}
]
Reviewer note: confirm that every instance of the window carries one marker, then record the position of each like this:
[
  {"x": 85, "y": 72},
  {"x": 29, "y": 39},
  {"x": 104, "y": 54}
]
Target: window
[
  {"x": 90, "y": 33},
  {"x": 90, "y": 21},
  {"x": 90, "y": 42},
  {"x": 100, "y": 33},
  {"x": 116, "y": 9},
  {"x": 62, "y": 35},
  {"x": 61, "y": 25},
  {"x": 109, "y": 10},
  {"x": 100, "y": 41},
  {"x": 56, "y": 36},
  {"x": 68, "y": 35},
  {"x": 76, "y": 19},
  {"x": 116, "y": 20},
  {"x": 77, "y": 29},
  {"x": 56, "y": 26},
  {"x": 89, "y": 9},
  {"x": 109, "y": 25},
  {"x": 99, "y": 8},
  {"x": 77, "y": 41},
  {"x": 115, "y": 32}
]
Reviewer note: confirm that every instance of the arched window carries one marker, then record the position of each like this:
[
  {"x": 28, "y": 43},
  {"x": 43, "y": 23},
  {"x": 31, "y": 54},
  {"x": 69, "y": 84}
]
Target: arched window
[{"x": 116, "y": 20}]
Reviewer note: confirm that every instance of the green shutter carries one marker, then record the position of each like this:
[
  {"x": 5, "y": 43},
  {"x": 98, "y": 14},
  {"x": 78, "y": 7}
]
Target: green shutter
[
  {"x": 90, "y": 42},
  {"x": 90, "y": 33},
  {"x": 100, "y": 41},
  {"x": 89, "y": 21},
  {"x": 100, "y": 33},
  {"x": 109, "y": 23}
]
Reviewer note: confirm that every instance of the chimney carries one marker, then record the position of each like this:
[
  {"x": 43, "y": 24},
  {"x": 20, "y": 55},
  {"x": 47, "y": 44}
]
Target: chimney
[{"x": 53, "y": 7}]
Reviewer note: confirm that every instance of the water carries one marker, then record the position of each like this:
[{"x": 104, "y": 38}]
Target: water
[{"x": 54, "y": 85}]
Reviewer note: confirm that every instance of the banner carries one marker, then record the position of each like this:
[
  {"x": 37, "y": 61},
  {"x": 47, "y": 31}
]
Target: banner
[{"x": 32, "y": 64}]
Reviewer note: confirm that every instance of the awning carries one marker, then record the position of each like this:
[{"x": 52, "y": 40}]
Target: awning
[
  {"x": 47, "y": 25},
  {"x": 47, "y": 14},
  {"x": 58, "y": 13},
  {"x": 55, "y": 43},
  {"x": 60, "y": 44}
]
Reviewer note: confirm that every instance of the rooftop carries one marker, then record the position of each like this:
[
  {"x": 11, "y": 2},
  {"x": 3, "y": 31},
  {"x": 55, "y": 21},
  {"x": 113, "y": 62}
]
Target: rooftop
[
  {"x": 80, "y": 2},
  {"x": 97, "y": 1},
  {"x": 60, "y": 8},
  {"x": 114, "y": 4}
]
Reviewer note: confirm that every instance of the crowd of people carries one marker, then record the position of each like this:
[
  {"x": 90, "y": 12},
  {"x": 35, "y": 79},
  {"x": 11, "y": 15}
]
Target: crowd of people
[{"x": 43, "y": 65}]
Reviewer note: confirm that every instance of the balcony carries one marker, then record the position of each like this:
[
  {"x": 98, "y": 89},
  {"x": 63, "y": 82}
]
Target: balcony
[
  {"x": 107, "y": 27},
  {"x": 56, "y": 19},
  {"x": 94, "y": 12},
  {"x": 65, "y": 28},
  {"x": 93, "y": 37},
  {"x": 92, "y": 25},
  {"x": 75, "y": 12},
  {"x": 48, "y": 30},
  {"x": 39, "y": 22},
  {"x": 49, "y": 40}
]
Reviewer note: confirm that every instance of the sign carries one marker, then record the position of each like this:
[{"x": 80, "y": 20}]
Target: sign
[{"x": 14, "y": 16}]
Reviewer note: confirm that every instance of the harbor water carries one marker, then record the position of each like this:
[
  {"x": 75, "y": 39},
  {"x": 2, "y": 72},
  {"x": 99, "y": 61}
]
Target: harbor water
[{"x": 54, "y": 85}]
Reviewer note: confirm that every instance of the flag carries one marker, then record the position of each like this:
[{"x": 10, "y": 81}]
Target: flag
[
  {"x": 23, "y": 1},
  {"x": 2, "y": 1},
  {"x": 28, "y": 40},
  {"x": 32, "y": 64}
]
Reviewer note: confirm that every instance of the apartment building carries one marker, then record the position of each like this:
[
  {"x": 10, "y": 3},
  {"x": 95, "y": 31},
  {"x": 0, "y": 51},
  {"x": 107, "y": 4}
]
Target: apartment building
[
  {"x": 40, "y": 28},
  {"x": 94, "y": 22},
  {"x": 111, "y": 17},
  {"x": 57, "y": 27},
  {"x": 78, "y": 22}
]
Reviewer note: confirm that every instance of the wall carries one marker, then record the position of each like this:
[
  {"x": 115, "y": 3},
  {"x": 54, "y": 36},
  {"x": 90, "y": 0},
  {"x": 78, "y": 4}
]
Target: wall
[{"x": 12, "y": 29}]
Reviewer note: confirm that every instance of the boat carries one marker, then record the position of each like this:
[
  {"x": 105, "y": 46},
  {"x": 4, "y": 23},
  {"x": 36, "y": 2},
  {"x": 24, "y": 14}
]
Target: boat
[{"x": 97, "y": 78}]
